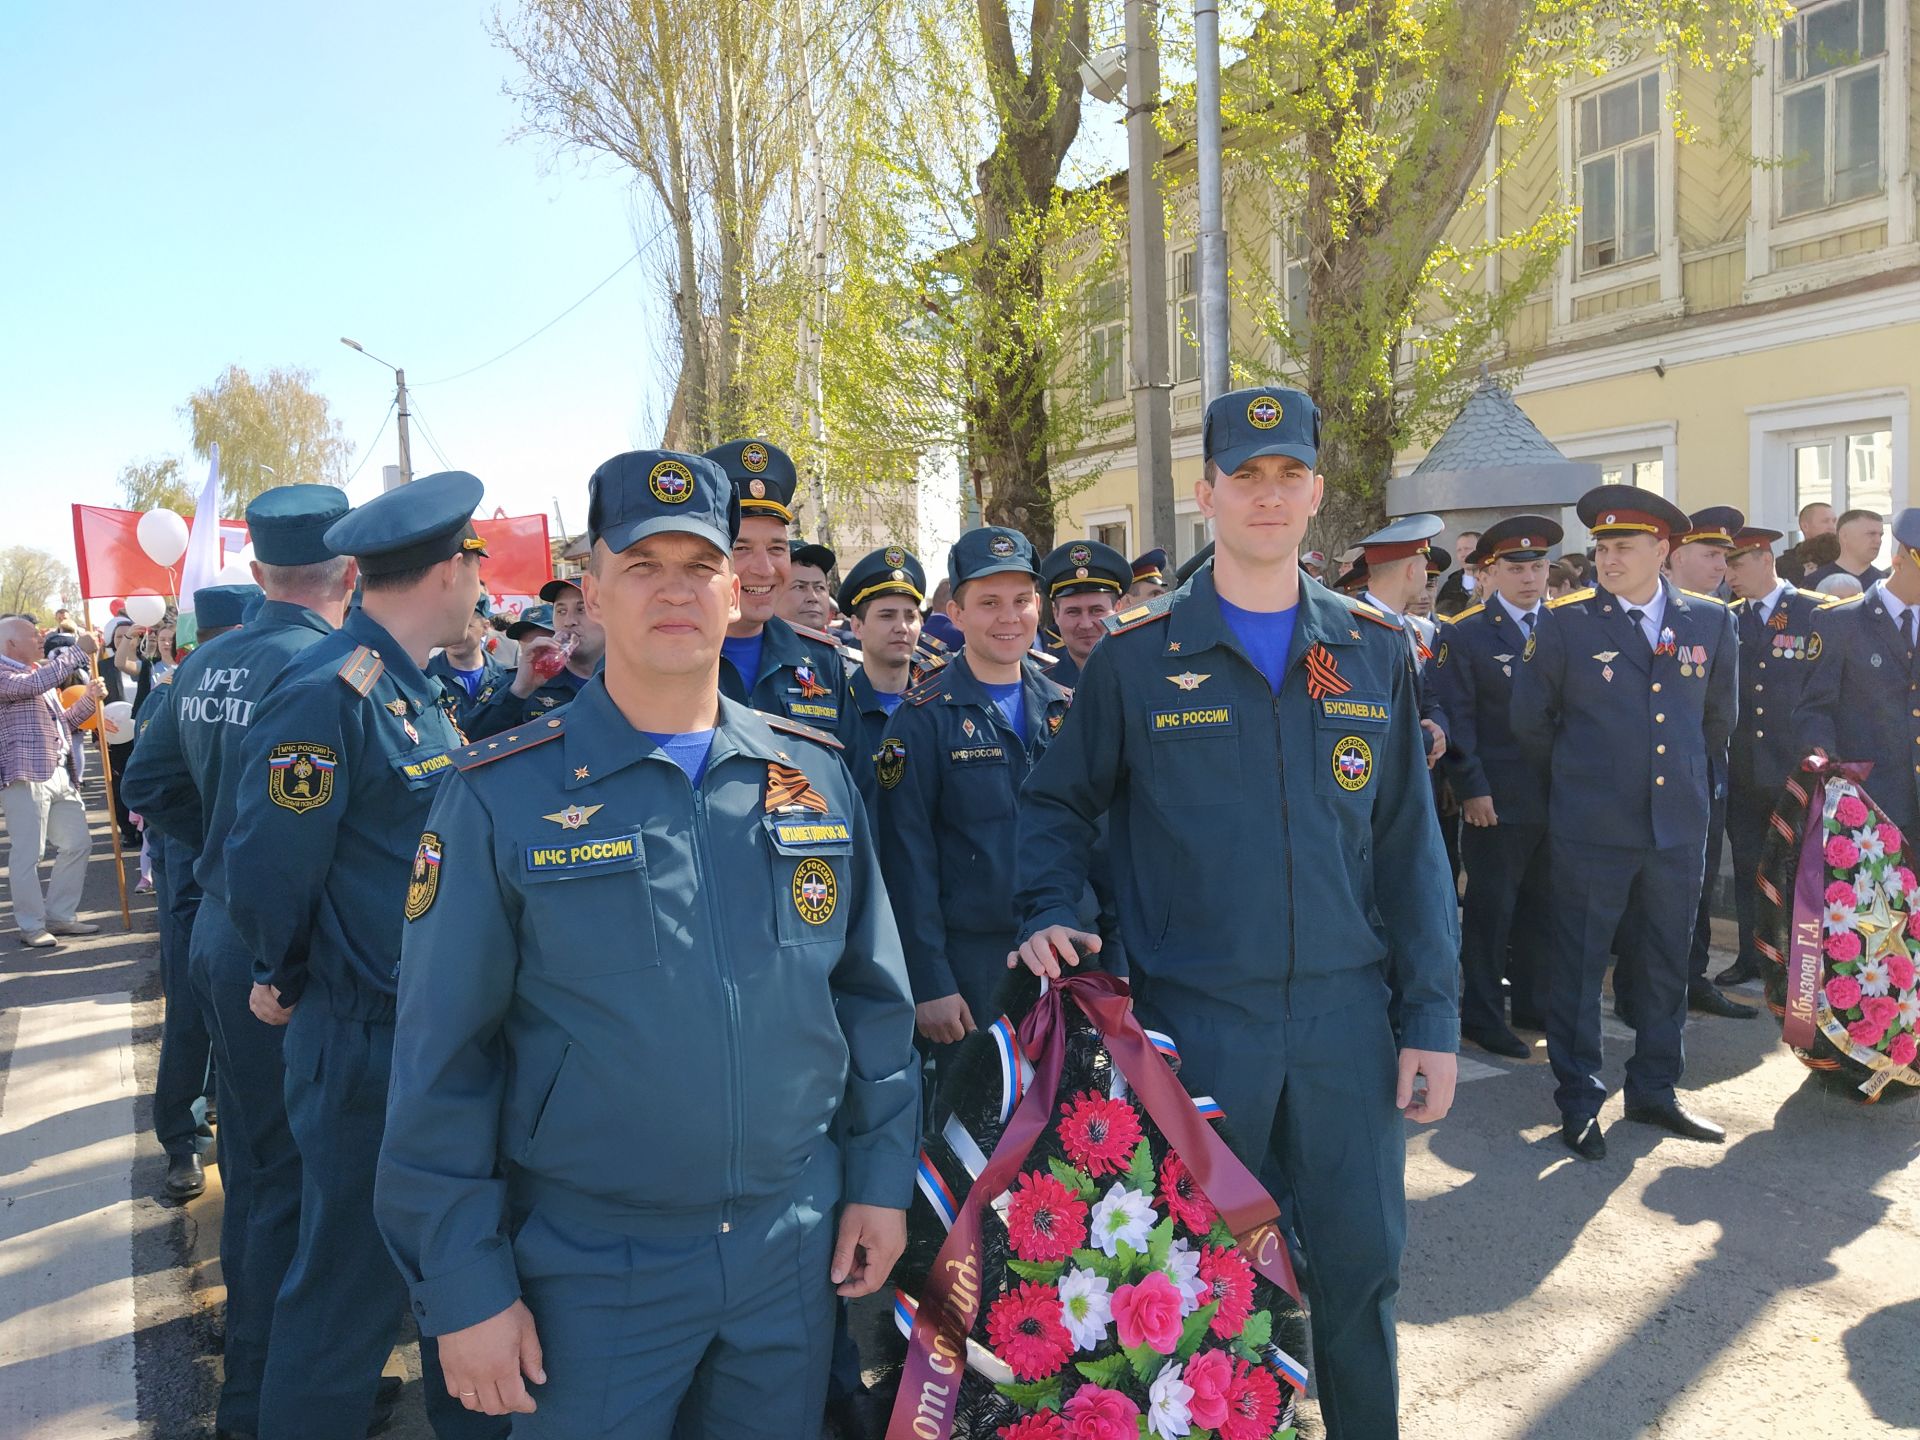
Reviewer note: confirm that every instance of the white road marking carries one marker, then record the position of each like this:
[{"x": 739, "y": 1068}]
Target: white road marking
[{"x": 66, "y": 1223}]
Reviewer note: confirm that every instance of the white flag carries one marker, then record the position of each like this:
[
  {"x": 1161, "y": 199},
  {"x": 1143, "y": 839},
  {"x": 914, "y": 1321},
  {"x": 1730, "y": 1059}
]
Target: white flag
[{"x": 202, "y": 565}]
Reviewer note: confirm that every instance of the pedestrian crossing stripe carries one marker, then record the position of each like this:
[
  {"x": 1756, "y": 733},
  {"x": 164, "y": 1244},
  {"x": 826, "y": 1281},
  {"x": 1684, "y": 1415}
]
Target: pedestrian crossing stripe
[{"x": 934, "y": 1187}]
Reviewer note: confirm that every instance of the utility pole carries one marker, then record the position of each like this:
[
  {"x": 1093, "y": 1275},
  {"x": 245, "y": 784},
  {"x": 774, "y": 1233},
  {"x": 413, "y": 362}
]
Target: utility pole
[
  {"x": 406, "y": 443},
  {"x": 1147, "y": 340},
  {"x": 1213, "y": 231}
]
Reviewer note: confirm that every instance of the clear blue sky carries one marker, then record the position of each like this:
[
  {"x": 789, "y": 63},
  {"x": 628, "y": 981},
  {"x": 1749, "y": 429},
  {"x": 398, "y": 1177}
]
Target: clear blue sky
[{"x": 189, "y": 186}]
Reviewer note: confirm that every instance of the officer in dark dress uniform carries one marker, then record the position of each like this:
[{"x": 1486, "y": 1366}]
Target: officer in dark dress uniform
[
  {"x": 188, "y": 779},
  {"x": 1502, "y": 794},
  {"x": 339, "y": 766},
  {"x": 1627, "y": 698},
  {"x": 1082, "y": 581},
  {"x": 1862, "y": 701},
  {"x": 1152, "y": 578},
  {"x": 950, "y": 768},
  {"x": 1254, "y": 740},
  {"x": 1396, "y": 559},
  {"x": 1779, "y": 627},
  {"x": 768, "y": 663},
  {"x": 881, "y": 598},
  {"x": 654, "y": 1089}
]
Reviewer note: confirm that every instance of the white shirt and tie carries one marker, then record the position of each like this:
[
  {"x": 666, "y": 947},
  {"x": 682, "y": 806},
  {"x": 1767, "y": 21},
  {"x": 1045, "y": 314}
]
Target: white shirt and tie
[
  {"x": 1649, "y": 616},
  {"x": 1903, "y": 615},
  {"x": 1525, "y": 619}
]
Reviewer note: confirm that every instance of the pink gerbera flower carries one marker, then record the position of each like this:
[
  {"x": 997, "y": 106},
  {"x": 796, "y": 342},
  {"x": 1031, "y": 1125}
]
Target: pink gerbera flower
[
  {"x": 1850, "y": 812},
  {"x": 1185, "y": 1200},
  {"x": 1230, "y": 1281},
  {"x": 1253, "y": 1404},
  {"x": 1046, "y": 1221},
  {"x": 1099, "y": 1134},
  {"x": 1024, "y": 1329}
]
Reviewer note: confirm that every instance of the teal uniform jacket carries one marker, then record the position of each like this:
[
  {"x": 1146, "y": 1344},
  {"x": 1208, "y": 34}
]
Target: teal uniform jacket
[
  {"x": 950, "y": 770},
  {"x": 461, "y": 706},
  {"x": 339, "y": 767},
  {"x": 1278, "y": 856},
  {"x": 505, "y": 710},
  {"x": 636, "y": 1002},
  {"x": 801, "y": 677},
  {"x": 871, "y": 718}
]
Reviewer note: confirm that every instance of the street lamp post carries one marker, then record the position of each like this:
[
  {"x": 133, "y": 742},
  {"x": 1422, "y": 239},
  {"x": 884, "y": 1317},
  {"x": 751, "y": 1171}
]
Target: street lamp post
[{"x": 400, "y": 400}]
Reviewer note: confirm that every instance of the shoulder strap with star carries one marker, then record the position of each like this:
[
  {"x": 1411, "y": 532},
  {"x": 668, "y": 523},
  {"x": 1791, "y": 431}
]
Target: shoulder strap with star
[
  {"x": 1840, "y": 602},
  {"x": 1572, "y": 597},
  {"x": 805, "y": 732},
  {"x": 1368, "y": 612},
  {"x": 1710, "y": 599},
  {"x": 1157, "y": 608},
  {"x": 1795, "y": 591},
  {"x": 513, "y": 742},
  {"x": 1467, "y": 614},
  {"x": 361, "y": 671}
]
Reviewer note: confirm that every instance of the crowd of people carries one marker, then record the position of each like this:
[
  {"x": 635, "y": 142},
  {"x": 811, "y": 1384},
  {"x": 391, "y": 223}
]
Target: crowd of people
[{"x": 567, "y": 978}]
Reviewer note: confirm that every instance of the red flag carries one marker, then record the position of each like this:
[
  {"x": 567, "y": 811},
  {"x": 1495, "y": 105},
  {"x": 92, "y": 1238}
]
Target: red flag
[{"x": 519, "y": 560}]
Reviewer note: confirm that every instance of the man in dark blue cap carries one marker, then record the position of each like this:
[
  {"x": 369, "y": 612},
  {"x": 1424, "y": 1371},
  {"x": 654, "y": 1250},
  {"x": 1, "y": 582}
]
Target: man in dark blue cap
[
  {"x": 1628, "y": 700},
  {"x": 1083, "y": 581},
  {"x": 560, "y": 649},
  {"x": 950, "y": 768},
  {"x": 469, "y": 676},
  {"x": 339, "y": 767},
  {"x": 1698, "y": 565},
  {"x": 1255, "y": 724},
  {"x": 768, "y": 663},
  {"x": 1862, "y": 701},
  {"x": 1152, "y": 578},
  {"x": 1780, "y": 645},
  {"x": 187, "y": 779},
  {"x": 654, "y": 1028},
  {"x": 1502, "y": 794},
  {"x": 881, "y": 598},
  {"x": 1395, "y": 561}
]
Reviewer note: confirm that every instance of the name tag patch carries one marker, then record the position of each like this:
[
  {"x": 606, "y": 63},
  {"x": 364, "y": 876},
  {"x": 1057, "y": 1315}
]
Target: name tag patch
[
  {"x": 812, "y": 833},
  {"x": 976, "y": 752},
  {"x": 618, "y": 851},
  {"x": 1349, "y": 708},
  {"x": 803, "y": 710},
  {"x": 1200, "y": 717},
  {"x": 424, "y": 767}
]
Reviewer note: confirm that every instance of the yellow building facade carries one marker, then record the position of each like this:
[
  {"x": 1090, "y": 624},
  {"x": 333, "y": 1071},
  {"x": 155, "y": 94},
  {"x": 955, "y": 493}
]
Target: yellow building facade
[{"x": 1722, "y": 331}]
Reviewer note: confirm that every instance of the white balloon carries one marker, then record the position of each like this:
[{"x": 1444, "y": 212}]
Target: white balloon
[
  {"x": 163, "y": 535},
  {"x": 146, "y": 609},
  {"x": 236, "y": 573},
  {"x": 118, "y": 718}
]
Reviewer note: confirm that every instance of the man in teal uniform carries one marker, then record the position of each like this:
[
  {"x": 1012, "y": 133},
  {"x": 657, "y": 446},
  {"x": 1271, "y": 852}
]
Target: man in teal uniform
[
  {"x": 654, "y": 1028},
  {"x": 774, "y": 666},
  {"x": 340, "y": 764},
  {"x": 881, "y": 598},
  {"x": 1083, "y": 581},
  {"x": 950, "y": 770},
  {"x": 558, "y": 625},
  {"x": 469, "y": 676},
  {"x": 1254, "y": 740},
  {"x": 187, "y": 778}
]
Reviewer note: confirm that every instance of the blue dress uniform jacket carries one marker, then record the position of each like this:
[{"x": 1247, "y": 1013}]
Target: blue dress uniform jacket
[
  {"x": 871, "y": 718},
  {"x": 339, "y": 769},
  {"x": 1778, "y": 659},
  {"x": 1475, "y": 657},
  {"x": 504, "y": 710},
  {"x": 801, "y": 677},
  {"x": 950, "y": 770},
  {"x": 635, "y": 1000},
  {"x": 1862, "y": 702},
  {"x": 1628, "y": 738},
  {"x": 1312, "y": 794},
  {"x": 460, "y": 706}
]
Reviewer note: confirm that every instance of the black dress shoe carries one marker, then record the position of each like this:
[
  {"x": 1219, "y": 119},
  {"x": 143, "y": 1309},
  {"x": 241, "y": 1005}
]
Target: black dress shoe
[
  {"x": 1583, "y": 1138},
  {"x": 1672, "y": 1118},
  {"x": 185, "y": 1178},
  {"x": 1527, "y": 1020},
  {"x": 1710, "y": 1001},
  {"x": 1498, "y": 1040},
  {"x": 1738, "y": 973}
]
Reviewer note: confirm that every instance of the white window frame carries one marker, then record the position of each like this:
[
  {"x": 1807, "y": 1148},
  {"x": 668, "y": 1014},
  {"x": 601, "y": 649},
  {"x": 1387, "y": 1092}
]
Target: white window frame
[
  {"x": 1664, "y": 264},
  {"x": 1112, "y": 515},
  {"x": 1766, "y": 232},
  {"x": 1282, "y": 264},
  {"x": 1185, "y": 512},
  {"x": 1176, "y": 344},
  {"x": 1632, "y": 442},
  {"x": 1115, "y": 323},
  {"x": 1772, "y": 431}
]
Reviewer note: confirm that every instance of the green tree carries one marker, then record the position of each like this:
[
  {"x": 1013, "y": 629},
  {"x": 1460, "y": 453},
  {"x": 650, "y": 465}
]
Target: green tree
[
  {"x": 1367, "y": 123},
  {"x": 273, "y": 430},
  {"x": 156, "y": 484},
  {"x": 31, "y": 580}
]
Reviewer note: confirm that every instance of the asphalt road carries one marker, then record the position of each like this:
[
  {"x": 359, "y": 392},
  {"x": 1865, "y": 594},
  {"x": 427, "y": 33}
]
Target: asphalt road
[{"x": 1770, "y": 1287}]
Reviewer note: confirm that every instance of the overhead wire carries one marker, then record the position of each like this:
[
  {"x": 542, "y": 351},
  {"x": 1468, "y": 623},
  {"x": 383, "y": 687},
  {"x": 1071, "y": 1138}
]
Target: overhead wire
[{"x": 367, "y": 454}]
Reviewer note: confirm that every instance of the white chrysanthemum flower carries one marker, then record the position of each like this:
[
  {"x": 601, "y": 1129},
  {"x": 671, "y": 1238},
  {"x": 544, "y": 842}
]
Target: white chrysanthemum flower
[
  {"x": 1167, "y": 1402},
  {"x": 1183, "y": 1268},
  {"x": 1867, "y": 837},
  {"x": 1909, "y": 1003},
  {"x": 1873, "y": 977},
  {"x": 1122, "y": 1215},
  {"x": 1086, "y": 1307},
  {"x": 1840, "y": 916}
]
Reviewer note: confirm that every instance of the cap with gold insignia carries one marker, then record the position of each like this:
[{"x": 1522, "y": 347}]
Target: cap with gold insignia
[
  {"x": 288, "y": 524},
  {"x": 762, "y": 476},
  {"x": 1715, "y": 525},
  {"x": 660, "y": 492},
  {"x": 221, "y": 607},
  {"x": 1629, "y": 510},
  {"x": 1084, "y": 567},
  {"x": 1751, "y": 538},
  {"x": 890, "y": 570},
  {"x": 534, "y": 620},
  {"x": 990, "y": 550},
  {"x": 1516, "y": 537},
  {"x": 413, "y": 526},
  {"x": 1266, "y": 420},
  {"x": 1151, "y": 568}
]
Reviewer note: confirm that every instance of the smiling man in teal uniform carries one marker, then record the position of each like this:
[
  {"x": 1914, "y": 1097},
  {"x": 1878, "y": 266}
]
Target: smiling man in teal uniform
[{"x": 1254, "y": 740}]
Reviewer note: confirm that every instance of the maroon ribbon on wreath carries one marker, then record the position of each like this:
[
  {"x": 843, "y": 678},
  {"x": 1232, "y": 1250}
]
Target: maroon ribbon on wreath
[
  {"x": 1805, "y": 956},
  {"x": 950, "y": 1297}
]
